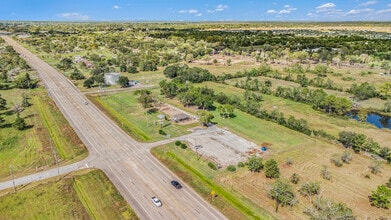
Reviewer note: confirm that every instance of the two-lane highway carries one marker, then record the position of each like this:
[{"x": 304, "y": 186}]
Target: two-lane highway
[{"x": 129, "y": 165}]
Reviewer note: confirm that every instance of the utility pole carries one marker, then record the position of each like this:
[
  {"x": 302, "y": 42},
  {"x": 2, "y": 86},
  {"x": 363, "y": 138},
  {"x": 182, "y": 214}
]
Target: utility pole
[
  {"x": 12, "y": 176},
  {"x": 276, "y": 200},
  {"x": 55, "y": 158}
]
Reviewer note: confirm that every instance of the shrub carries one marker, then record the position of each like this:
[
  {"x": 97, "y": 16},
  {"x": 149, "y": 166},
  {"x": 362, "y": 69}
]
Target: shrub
[
  {"x": 346, "y": 157},
  {"x": 375, "y": 167},
  {"x": 325, "y": 209},
  {"x": 231, "y": 168},
  {"x": 162, "y": 132},
  {"x": 336, "y": 159},
  {"x": 310, "y": 189},
  {"x": 183, "y": 146},
  {"x": 271, "y": 169},
  {"x": 289, "y": 161},
  {"x": 294, "y": 178},
  {"x": 240, "y": 164},
  {"x": 254, "y": 163},
  {"x": 325, "y": 173},
  {"x": 381, "y": 197},
  {"x": 212, "y": 166},
  {"x": 178, "y": 143}
]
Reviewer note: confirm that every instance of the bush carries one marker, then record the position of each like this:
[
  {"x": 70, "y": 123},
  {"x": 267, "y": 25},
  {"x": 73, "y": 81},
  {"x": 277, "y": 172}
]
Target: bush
[
  {"x": 271, "y": 169},
  {"x": 178, "y": 143},
  {"x": 294, "y": 178},
  {"x": 231, "y": 168},
  {"x": 254, "y": 163},
  {"x": 346, "y": 157},
  {"x": 336, "y": 159},
  {"x": 240, "y": 164},
  {"x": 310, "y": 189},
  {"x": 183, "y": 146},
  {"x": 289, "y": 161},
  {"x": 162, "y": 132},
  {"x": 325, "y": 173},
  {"x": 212, "y": 166},
  {"x": 375, "y": 167},
  {"x": 381, "y": 197}
]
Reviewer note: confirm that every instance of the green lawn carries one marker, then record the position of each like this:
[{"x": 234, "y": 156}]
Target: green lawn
[
  {"x": 32, "y": 149},
  {"x": 124, "y": 109},
  {"x": 82, "y": 195}
]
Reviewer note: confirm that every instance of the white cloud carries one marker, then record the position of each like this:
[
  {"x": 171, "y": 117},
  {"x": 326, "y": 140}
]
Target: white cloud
[
  {"x": 190, "y": 11},
  {"x": 116, "y": 7},
  {"x": 389, "y": 5},
  {"x": 284, "y": 11},
  {"x": 74, "y": 16},
  {"x": 193, "y": 11},
  {"x": 368, "y": 3},
  {"x": 384, "y": 11},
  {"x": 271, "y": 11},
  {"x": 220, "y": 7},
  {"x": 358, "y": 11},
  {"x": 326, "y": 6}
]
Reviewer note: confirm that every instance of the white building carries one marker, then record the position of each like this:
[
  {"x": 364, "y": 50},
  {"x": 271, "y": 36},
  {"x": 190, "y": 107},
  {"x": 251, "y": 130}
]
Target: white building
[{"x": 111, "y": 78}]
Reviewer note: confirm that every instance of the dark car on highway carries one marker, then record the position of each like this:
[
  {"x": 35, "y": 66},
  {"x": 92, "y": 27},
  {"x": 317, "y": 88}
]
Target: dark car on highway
[{"x": 176, "y": 184}]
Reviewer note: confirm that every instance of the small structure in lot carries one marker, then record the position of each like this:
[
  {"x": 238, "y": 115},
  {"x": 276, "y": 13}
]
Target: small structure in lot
[
  {"x": 111, "y": 78},
  {"x": 180, "y": 117}
]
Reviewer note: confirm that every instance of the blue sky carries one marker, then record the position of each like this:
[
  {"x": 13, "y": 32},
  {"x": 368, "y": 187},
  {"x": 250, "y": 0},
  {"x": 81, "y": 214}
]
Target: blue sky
[{"x": 196, "y": 10}]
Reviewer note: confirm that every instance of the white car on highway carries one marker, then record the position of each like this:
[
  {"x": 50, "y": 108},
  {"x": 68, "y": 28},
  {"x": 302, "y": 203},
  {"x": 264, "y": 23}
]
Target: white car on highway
[{"x": 156, "y": 201}]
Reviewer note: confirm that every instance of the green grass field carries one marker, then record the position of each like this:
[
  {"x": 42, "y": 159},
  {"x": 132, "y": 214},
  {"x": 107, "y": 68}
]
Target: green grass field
[
  {"x": 81, "y": 195},
  {"x": 32, "y": 149},
  {"x": 125, "y": 110}
]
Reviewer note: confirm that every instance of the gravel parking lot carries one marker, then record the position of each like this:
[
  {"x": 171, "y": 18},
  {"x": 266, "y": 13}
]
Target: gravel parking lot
[{"x": 223, "y": 147}]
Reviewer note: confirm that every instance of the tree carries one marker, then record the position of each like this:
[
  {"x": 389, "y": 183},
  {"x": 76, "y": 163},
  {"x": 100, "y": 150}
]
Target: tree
[
  {"x": 254, "y": 163},
  {"x": 3, "y": 103},
  {"x": 205, "y": 117},
  {"x": 19, "y": 123},
  {"x": 123, "y": 81},
  {"x": 324, "y": 209},
  {"x": 385, "y": 91},
  {"x": 132, "y": 69},
  {"x": 25, "y": 82},
  {"x": 226, "y": 111},
  {"x": 381, "y": 197},
  {"x": 363, "y": 91},
  {"x": 89, "y": 82},
  {"x": 282, "y": 191},
  {"x": 271, "y": 169},
  {"x": 76, "y": 75},
  {"x": 146, "y": 98},
  {"x": 25, "y": 102},
  {"x": 309, "y": 189}
]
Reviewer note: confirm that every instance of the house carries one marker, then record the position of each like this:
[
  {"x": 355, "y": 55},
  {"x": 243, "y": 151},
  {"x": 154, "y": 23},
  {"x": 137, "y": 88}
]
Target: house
[
  {"x": 111, "y": 78},
  {"x": 180, "y": 117},
  {"x": 89, "y": 64}
]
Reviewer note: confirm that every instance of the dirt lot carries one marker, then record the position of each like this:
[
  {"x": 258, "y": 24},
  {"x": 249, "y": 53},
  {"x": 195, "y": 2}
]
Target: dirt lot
[{"x": 223, "y": 147}]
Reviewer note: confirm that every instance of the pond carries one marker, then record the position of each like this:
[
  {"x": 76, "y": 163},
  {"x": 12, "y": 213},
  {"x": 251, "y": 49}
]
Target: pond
[{"x": 380, "y": 121}]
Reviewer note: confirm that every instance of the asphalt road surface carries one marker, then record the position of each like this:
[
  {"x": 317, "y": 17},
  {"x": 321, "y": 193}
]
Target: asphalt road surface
[{"x": 133, "y": 170}]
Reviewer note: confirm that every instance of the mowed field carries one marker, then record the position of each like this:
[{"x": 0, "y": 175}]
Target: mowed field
[
  {"x": 348, "y": 183},
  {"x": 84, "y": 194},
  {"x": 48, "y": 132},
  {"x": 142, "y": 124}
]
